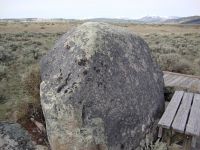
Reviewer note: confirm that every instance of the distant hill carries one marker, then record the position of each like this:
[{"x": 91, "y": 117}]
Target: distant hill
[
  {"x": 155, "y": 19},
  {"x": 38, "y": 20},
  {"x": 143, "y": 20},
  {"x": 152, "y": 20},
  {"x": 194, "y": 21},
  {"x": 113, "y": 20},
  {"x": 184, "y": 20}
]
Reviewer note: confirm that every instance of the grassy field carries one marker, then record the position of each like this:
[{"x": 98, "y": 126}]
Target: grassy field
[{"x": 175, "y": 47}]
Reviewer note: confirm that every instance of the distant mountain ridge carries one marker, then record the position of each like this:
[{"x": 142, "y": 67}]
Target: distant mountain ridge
[
  {"x": 155, "y": 19},
  {"x": 143, "y": 20},
  {"x": 152, "y": 20},
  {"x": 184, "y": 20},
  {"x": 112, "y": 20}
]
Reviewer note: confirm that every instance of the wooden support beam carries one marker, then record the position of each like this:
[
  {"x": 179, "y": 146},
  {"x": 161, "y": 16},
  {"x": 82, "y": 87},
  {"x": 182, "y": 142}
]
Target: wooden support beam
[
  {"x": 187, "y": 143},
  {"x": 160, "y": 132},
  {"x": 194, "y": 140}
]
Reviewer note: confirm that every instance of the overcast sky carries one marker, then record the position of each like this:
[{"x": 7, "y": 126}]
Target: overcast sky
[{"x": 81, "y": 9}]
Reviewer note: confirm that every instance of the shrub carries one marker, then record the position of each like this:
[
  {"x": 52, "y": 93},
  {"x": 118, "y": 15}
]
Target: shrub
[
  {"x": 5, "y": 55},
  {"x": 13, "y": 47},
  {"x": 2, "y": 99},
  {"x": 175, "y": 63},
  {"x": 197, "y": 61},
  {"x": 30, "y": 35},
  {"x": 31, "y": 107},
  {"x": 19, "y": 35},
  {"x": 42, "y": 27},
  {"x": 3, "y": 70},
  {"x": 183, "y": 66},
  {"x": 158, "y": 146},
  {"x": 3, "y": 24},
  {"x": 26, "y": 25},
  {"x": 37, "y": 43},
  {"x": 32, "y": 83},
  {"x": 197, "y": 66},
  {"x": 166, "y": 61}
]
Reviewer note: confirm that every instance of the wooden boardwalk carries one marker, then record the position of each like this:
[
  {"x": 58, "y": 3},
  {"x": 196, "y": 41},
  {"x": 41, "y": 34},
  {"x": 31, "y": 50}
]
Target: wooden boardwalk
[
  {"x": 182, "y": 116},
  {"x": 182, "y": 81}
]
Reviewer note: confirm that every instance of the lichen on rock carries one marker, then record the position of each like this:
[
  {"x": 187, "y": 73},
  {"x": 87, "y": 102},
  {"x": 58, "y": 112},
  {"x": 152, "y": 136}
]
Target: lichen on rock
[{"x": 14, "y": 137}]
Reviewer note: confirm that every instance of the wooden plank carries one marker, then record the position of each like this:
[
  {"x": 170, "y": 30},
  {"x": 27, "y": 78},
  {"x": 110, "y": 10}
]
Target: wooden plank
[
  {"x": 194, "y": 81},
  {"x": 166, "y": 79},
  {"x": 169, "y": 114},
  {"x": 194, "y": 85},
  {"x": 187, "y": 83},
  {"x": 175, "y": 81},
  {"x": 165, "y": 75},
  {"x": 172, "y": 78},
  {"x": 181, "y": 117},
  {"x": 182, "y": 81},
  {"x": 180, "y": 74},
  {"x": 193, "y": 125}
]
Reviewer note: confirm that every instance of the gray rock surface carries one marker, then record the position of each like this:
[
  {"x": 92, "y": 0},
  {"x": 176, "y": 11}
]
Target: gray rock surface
[
  {"x": 100, "y": 89},
  {"x": 14, "y": 137}
]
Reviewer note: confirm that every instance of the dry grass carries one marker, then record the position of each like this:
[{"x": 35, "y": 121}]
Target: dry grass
[
  {"x": 36, "y": 27},
  {"x": 163, "y": 29},
  {"x": 176, "y": 52},
  {"x": 175, "y": 47},
  {"x": 19, "y": 70},
  {"x": 32, "y": 82}
]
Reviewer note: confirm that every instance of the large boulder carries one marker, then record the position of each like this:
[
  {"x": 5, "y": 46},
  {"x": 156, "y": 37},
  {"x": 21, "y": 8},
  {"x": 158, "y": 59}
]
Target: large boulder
[{"x": 100, "y": 89}]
